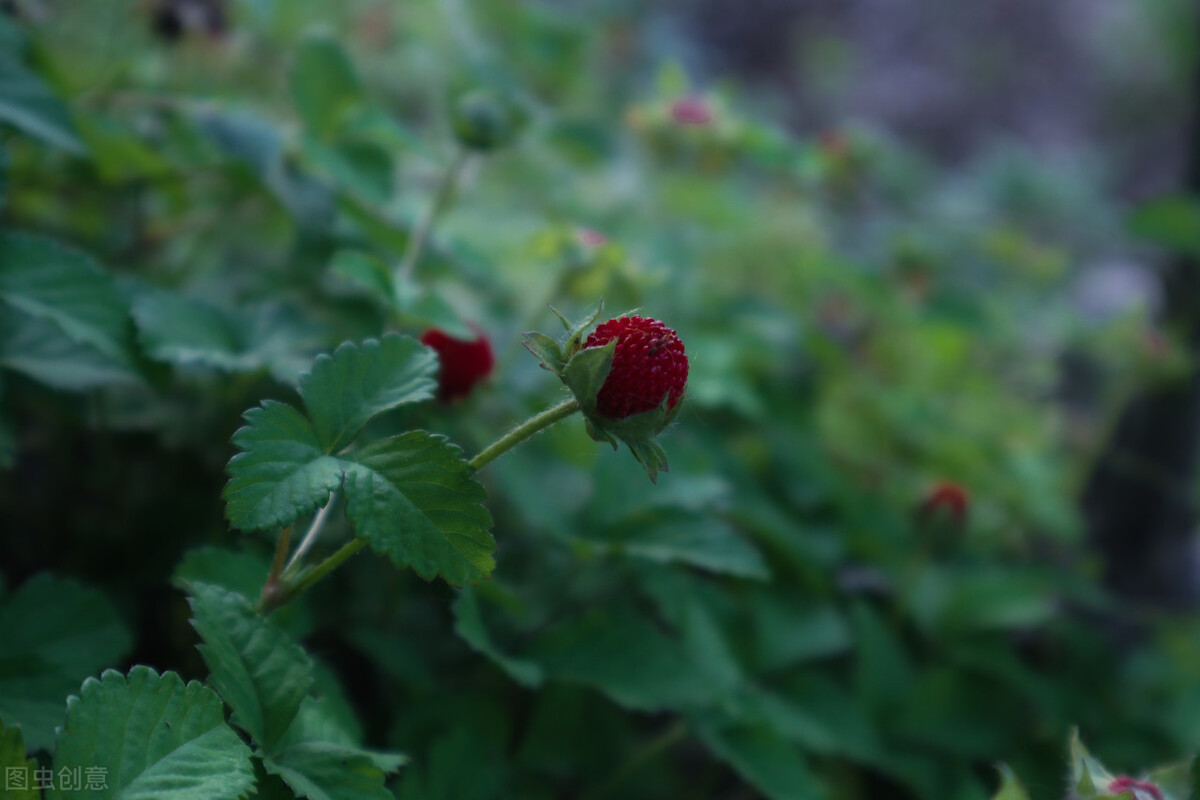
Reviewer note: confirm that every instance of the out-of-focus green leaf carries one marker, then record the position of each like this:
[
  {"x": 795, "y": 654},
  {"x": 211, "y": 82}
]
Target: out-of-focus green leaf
[
  {"x": 469, "y": 624},
  {"x": 325, "y": 87},
  {"x": 1172, "y": 222},
  {"x": 55, "y": 632},
  {"x": 318, "y": 760},
  {"x": 46, "y": 280},
  {"x": 26, "y": 102},
  {"x": 154, "y": 738},
  {"x": 767, "y": 761}
]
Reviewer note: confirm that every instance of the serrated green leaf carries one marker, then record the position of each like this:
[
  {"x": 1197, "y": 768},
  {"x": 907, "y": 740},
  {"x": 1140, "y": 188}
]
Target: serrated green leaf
[
  {"x": 154, "y": 738},
  {"x": 282, "y": 471},
  {"x": 55, "y": 633},
  {"x": 325, "y": 87},
  {"x": 318, "y": 760},
  {"x": 46, "y": 280},
  {"x": 16, "y": 766},
  {"x": 1010, "y": 785},
  {"x": 469, "y": 625},
  {"x": 412, "y": 498},
  {"x": 257, "y": 670},
  {"x": 766, "y": 760},
  {"x": 27, "y": 102},
  {"x": 344, "y": 391}
]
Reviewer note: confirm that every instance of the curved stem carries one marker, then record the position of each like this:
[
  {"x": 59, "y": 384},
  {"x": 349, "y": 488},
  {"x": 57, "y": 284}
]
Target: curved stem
[
  {"x": 286, "y": 594},
  {"x": 314, "y": 530},
  {"x": 441, "y": 201},
  {"x": 523, "y": 431}
]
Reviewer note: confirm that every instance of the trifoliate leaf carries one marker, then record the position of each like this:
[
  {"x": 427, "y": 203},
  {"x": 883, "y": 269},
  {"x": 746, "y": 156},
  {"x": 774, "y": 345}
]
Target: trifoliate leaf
[
  {"x": 345, "y": 390},
  {"x": 411, "y": 497},
  {"x": 45, "y": 280},
  {"x": 17, "y": 767},
  {"x": 54, "y": 634},
  {"x": 282, "y": 471},
  {"x": 149, "y": 737},
  {"x": 256, "y": 668},
  {"x": 318, "y": 761}
]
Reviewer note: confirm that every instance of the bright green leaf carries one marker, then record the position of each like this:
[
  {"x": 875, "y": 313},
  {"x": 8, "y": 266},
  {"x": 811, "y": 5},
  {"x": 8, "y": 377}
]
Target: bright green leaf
[
  {"x": 155, "y": 739},
  {"x": 345, "y": 390},
  {"x": 255, "y": 667},
  {"x": 412, "y": 498},
  {"x": 54, "y": 633},
  {"x": 282, "y": 471}
]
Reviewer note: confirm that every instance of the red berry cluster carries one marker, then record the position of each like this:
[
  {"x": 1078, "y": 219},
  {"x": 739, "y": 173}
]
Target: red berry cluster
[
  {"x": 648, "y": 365},
  {"x": 464, "y": 362}
]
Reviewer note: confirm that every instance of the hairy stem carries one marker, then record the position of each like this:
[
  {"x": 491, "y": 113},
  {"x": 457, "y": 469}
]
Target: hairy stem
[
  {"x": 523, "y": 431},
  {"x": 314, "y": 530},
  {"x": 287, "y": 593}
]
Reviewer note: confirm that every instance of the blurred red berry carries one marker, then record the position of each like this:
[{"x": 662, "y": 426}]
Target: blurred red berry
[
  {"x": 648, "y": 365},
  {"x": 691, "y": 111},
  {"x": 464, "y": 362},
  {"x": 590, "y": 238},
  {"x": 949, "y": 497},
  {"x": 1140, "y": 789}
]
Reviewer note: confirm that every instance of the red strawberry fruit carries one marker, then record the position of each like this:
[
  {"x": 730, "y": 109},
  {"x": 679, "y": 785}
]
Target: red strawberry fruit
[
  {"x": 946, "y": 496},
  {"x": 648, "y": 365},
  {"x": 464, "y": 362}
]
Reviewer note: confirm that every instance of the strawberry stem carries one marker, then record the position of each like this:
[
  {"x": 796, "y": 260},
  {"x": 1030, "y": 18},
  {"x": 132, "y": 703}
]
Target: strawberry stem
[{"x": 523, "y": 431}]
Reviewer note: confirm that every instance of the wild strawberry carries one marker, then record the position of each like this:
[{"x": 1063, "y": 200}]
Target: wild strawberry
[
  {"x": 946, "y": 496},
  {"x": 691, "y": 111},
  {"x": 464, "y": 362},
  {"x": 1143, "y": 790},
  {"x": 648, "y": 365}
]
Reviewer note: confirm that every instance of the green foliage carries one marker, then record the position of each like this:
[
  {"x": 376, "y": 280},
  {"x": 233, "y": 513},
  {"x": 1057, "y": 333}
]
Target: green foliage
[
  {"x": 154, "y": 737},
  {"x": 55, "y": 633},
  {"x": 13, "y": 762},
  {"x": 773, "y": 618}
]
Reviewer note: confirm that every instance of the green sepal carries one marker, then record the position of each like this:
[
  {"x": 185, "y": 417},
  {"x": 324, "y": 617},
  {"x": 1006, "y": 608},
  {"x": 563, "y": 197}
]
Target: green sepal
[
  {"x": 574, "y": 338},
  {"x": 547, "y": 351},
  {"x": 1088, "y": 776},
  {"x": 586, "y": 372}
]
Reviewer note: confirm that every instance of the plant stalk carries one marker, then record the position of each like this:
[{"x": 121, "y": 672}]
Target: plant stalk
[
  {"x": 441, "y": 201},
  {"x": 523, "y": 431}
]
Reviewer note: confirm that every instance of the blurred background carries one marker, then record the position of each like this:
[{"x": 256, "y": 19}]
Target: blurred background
[{"x": 932, "y": 496}]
